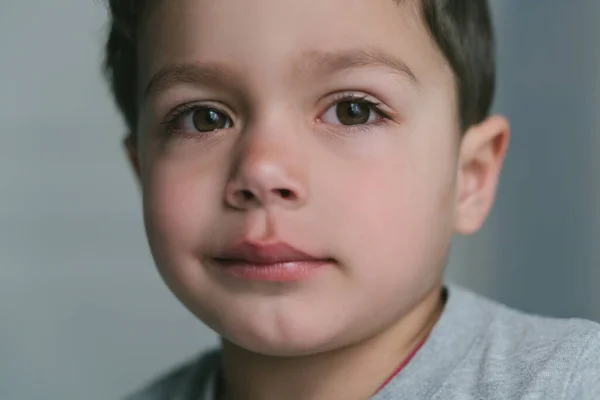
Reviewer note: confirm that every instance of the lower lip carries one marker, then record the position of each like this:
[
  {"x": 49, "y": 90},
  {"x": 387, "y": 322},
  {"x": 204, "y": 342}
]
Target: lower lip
[{"x": 276, "y": 272}]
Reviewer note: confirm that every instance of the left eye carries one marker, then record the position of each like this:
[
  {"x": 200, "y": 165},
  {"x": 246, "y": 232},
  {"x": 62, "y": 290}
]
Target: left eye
[
  {"x": 205, "y": 119},
  {"x": 351, "y": 112}
]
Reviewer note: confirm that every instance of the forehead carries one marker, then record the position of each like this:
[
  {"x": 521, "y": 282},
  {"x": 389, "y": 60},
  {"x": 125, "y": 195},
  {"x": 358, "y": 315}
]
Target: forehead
[{"x": 270, "y": 37}]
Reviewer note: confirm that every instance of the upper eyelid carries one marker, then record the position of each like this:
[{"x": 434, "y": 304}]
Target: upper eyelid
[
  {"x": 204, "y": 104},
  {"x": 335, "y": 98},
  {"x": 186, "y": 108},
  {"x": 351, "y": 95},
  {"x": 376, "y": 104}
]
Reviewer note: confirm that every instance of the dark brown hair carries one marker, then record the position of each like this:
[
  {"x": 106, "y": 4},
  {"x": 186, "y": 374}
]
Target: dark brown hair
[{"x": 462, "y": 30}]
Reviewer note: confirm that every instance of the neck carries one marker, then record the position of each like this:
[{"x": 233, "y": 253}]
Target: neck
[{"x": 337, "y": 374}]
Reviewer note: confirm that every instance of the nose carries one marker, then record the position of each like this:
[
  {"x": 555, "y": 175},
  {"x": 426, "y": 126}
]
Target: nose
[{"x": 268, "y": 172}]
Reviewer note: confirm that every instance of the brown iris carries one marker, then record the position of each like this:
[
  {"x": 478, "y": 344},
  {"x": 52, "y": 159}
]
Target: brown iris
[
  {"x": 209, "y": 119},
  {"x": 353, "y": 112}
]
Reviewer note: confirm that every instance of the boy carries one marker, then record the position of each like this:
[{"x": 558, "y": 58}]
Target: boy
[{"x": 304, "y": 166}]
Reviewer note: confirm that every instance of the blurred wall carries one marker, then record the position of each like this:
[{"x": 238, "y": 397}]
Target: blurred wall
[
  {"x": 539, "y": 248},
  {"x": 84, "y": 315}
]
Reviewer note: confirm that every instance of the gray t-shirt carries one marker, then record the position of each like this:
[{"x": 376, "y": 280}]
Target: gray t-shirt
[{"x": 479, "y": 349}]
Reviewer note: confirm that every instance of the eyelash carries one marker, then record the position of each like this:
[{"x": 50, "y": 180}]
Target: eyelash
[
  {"x": 375, "y": 107},
  {"x": 186, "y": 109},
  {"x": 179, "y": 112}
]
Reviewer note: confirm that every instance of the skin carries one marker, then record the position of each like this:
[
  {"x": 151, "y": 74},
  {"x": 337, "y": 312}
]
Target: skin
[{"x": 382, "y": 199}]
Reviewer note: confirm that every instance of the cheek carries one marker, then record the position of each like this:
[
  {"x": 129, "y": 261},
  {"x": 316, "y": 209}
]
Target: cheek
[
  {"x": 402, "y": 216},
  {"x": 177, "y": 203},
  {"x": 180, "y": 199}
]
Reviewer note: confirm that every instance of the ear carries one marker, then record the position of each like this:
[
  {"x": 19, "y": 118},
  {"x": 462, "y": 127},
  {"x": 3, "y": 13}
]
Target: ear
[
  {"x": 130, "y": 145},
  {"x": 482, "y": 152}
]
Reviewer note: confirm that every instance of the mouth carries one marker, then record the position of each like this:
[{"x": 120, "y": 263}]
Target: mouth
[{"x": 278, "y": 262}]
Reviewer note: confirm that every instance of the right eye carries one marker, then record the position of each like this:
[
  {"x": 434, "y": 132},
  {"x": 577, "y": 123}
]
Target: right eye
[{"x": 199, "y": 119}]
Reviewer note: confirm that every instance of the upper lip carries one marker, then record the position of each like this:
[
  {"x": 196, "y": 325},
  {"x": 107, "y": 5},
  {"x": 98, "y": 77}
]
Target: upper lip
[{"x": 273, "y": 253}]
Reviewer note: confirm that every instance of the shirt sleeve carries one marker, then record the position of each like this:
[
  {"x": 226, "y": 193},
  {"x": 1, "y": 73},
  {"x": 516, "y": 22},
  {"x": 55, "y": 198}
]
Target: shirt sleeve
[{"x": 585, "y": 377}]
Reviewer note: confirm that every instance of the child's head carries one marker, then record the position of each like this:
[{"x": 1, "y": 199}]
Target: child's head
[{"x": 353, "y": 130}]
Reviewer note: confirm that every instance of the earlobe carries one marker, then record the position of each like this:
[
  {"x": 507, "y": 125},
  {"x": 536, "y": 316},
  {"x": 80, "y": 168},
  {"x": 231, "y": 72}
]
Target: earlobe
[
  {"x": 481, "y": 156},
  {"x": 132, "y": 155}
]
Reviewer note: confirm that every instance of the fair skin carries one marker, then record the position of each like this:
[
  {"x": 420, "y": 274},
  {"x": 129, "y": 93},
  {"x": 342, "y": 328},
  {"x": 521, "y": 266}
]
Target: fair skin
[{"x": 379, "y": 197}]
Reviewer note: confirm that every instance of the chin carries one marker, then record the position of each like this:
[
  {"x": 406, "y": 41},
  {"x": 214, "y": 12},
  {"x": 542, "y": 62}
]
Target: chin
[
  {"x": 285, "y": 340},
  {"x": 283, "y": 348}
]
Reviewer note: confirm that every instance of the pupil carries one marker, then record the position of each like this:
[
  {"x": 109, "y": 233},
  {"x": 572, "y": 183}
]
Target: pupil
[
  {"x": 208, "y": 120},
  {"x": 353, "y": 113}
]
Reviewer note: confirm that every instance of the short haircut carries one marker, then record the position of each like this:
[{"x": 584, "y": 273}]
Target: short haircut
[{"x": 462, "y": 30}]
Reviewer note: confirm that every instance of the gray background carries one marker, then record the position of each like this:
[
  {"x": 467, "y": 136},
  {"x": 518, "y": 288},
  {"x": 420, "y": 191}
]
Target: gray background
[{"x": 84, "y": 315}]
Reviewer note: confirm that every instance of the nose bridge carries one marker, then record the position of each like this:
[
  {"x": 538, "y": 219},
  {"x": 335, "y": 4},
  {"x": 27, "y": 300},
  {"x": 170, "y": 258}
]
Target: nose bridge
[
  {"x": 268, "y": 166},
  {"x": 269, "y": 142}
]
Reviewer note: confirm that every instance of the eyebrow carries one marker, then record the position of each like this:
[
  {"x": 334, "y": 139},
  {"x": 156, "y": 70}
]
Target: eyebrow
[
  {"x": 329, "y": 63},
  {"x": 310, "y": 64},
  {"x": 209, "y": 75}
]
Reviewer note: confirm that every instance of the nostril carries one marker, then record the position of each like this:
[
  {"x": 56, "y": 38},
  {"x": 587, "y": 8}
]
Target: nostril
[{"x": 246, "y": 195}]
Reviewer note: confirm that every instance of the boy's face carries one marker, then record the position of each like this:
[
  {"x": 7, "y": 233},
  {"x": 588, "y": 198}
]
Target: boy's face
[{"x": 330, "y": 125}]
